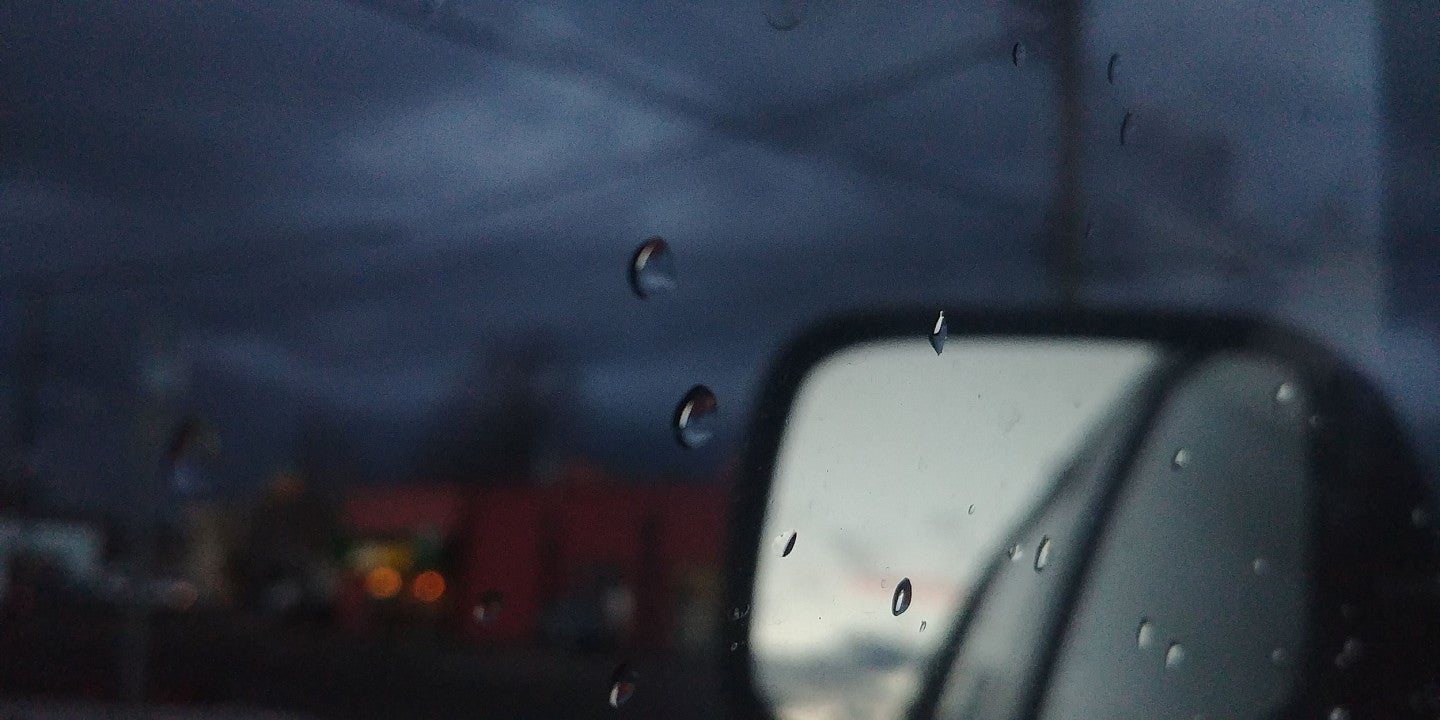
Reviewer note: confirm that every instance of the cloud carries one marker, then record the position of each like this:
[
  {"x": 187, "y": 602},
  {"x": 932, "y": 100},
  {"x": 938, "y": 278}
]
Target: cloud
[{"x": 338, "y": 204}]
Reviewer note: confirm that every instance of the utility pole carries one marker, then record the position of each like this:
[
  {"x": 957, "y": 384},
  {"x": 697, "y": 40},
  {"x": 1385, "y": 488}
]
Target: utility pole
[
  {"x": 1409, "y": 64},
  {"x": 1068, "y": 249},
  {"x": 32, "y": 360},
  {"x": 163, "y": 441}
]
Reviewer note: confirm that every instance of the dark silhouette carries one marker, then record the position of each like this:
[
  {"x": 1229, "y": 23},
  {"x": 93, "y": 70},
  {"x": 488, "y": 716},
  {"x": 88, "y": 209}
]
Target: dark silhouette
[{"x": 506, "y": 417}]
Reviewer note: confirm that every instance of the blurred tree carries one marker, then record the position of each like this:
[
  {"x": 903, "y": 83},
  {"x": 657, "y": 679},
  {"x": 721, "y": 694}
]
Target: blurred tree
[
  {"x": 325, "y": 454},
  {"x": 504, "y": 423}
]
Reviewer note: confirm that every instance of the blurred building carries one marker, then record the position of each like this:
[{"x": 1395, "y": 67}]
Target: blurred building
[{"x": 589, "y": 562}]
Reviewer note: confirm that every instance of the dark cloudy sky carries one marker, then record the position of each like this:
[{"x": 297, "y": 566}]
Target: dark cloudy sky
[{"x": 327, "y": 209}]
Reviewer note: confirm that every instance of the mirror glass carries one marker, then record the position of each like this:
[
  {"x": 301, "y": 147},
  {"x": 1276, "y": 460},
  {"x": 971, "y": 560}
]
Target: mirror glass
[
  {"x": 1195, "y": 602},
  {"x": 1068, "y": 527},
  {"x": 901, "y": 476}
]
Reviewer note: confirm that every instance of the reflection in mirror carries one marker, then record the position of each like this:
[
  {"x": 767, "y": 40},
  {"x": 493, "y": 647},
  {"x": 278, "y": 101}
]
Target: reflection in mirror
[
  {"x": 905, "y": 475},
  {"x": 1213, "y": 558}
]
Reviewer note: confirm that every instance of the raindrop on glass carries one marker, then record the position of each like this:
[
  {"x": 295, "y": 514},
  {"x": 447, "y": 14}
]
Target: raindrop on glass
[
  {"x": 1015, "y": 553},
  {"x": 695, "y": 417},
  {"x": 1174, "y": 655},
  {"x": 1284, "y": 393},
  {"x": 782, "y": 20},
  {"x": 1112, "y": 69},
  {"x": 1180, "y": 459},
  {"x": 787, "y": 16},
  {"x": 734, "y": 646},
  {"x": 1260, "y": 566},
  {"x": 901, "y": 601},
  {"x": 652, "y": 268},
  {"x": 739, "y": 612},
  {"x": 491, "y": 602},
  {"x": 1042, "y": 554},
  {"x": 1278, "y": 656},
  {"x": 1339, "y": 713},
  {"x": 1017, "y": 54},
  {"x": 939, "y": 333},
  {"x": 1349, "y": 653},
  {"x": 1145, "y": 634},
  {"x": 622, "y": 685},
  {"x": 1127, "y": 125},
  {"x": 923, "y": 625},
  {"x": 970, "y": 510},
  {"x": 1419, "y": 518},
  {"x": 786, "y": 543}
]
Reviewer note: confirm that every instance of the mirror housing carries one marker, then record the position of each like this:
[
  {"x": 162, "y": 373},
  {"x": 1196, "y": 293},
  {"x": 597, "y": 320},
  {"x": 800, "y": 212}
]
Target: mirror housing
[{"x": 1368, "y": 643}]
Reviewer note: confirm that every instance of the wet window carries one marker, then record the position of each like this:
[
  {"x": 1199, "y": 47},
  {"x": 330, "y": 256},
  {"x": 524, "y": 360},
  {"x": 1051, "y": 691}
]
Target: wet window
[{"x": 396, "y": 358}]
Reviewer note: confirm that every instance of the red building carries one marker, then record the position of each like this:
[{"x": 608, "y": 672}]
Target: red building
[{"x": 587, "y": 561}]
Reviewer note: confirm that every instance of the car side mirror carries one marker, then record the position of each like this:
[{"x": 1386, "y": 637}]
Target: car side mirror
[{"x": 981, "y": 516}]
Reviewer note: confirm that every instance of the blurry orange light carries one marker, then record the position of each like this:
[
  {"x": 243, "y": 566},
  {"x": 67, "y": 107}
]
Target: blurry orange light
[
  {"x": 383, "y": 582},
  {"x": 428, "y": 586}
]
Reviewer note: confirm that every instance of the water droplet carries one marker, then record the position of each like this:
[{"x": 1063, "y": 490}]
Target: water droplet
[
  {"x": 1180, "y": 459},
  {"x": 1015, "y": 552},
  {"x": 1419, "y": 518},
  {"x": 884, "y": 583},
  {"x": 652, "y": 268},
  {"x": 1174, "y": 655},
  {"x": 491, "y": 602},
  {"x": 622, "y": 685},
  {"x": 923, "y": 625},
  {"x": 970, "y": 510},
  {"x": 734, "y": 646},
  {"x": 695, "y": 417},
  {"x": 1112, "y": 69},
  {"x": 786, "y": 543},
  {"x": 939, "y": 333},
  {"x": 1349, "y": 653},
  {"x": 1127, "y": 126},
  {"x": 1145, "y": 634},
  {"x": 1042, "y": 554},
  {"x": 782, "y": 20},
  {"x": 901, "y": 601},
  {"x": 1339, "y": 713},
  {"x": 1284, "y": 393},
  {"x": 1017, "y": 54},
  {"x": 1278, "y": 656},
  {"x": 1260, "y": 566},
  {"x": 739, "y": 612},
  {"x": 1316, "y": 421},
  {"x": 786, "y": 16}
]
